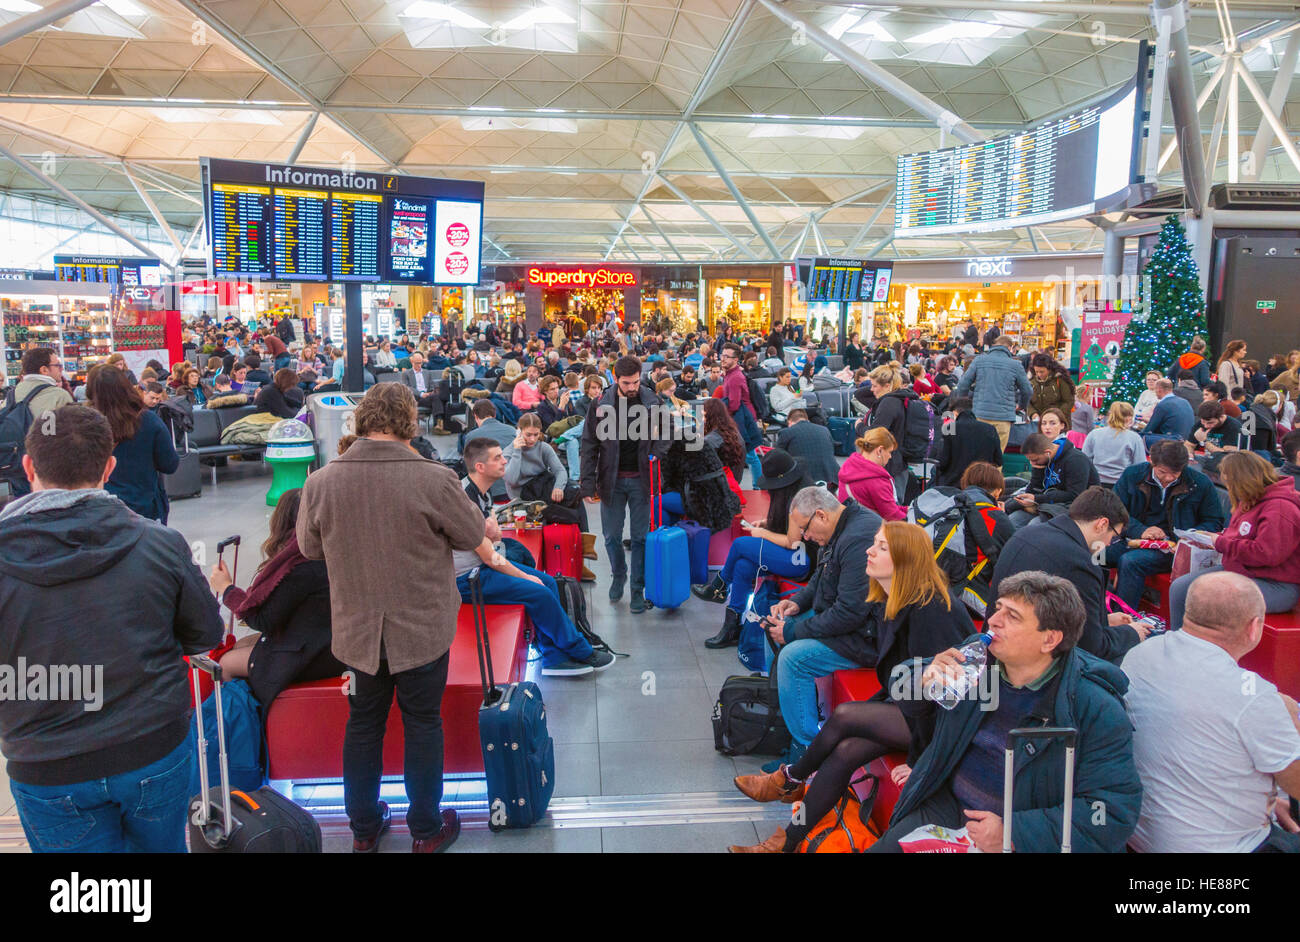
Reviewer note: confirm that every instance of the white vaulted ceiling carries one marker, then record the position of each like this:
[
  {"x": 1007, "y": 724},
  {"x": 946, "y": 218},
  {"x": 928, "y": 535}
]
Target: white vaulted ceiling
[{"x": 578, "y": 115}]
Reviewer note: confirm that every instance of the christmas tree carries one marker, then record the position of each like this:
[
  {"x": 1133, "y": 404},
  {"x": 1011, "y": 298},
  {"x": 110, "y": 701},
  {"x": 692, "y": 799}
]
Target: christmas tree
[
  {"x": 1169, "y": 313},
  {"x": 1095, "y": 365}
]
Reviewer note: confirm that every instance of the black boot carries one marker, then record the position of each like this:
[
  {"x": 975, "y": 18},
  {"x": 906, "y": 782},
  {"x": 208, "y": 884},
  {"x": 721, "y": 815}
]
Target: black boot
[
  {"x": 729, "y": 636},
  {"x": 715, "y": 591}
]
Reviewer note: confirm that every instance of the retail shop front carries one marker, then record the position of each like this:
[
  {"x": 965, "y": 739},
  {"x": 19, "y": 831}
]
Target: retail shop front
[
  {"x": 586, "y": 293},
  {"x": 670, "y": 298},
  {"x": 1023, "y": 296},
  {"x": 748, "y": 297}
]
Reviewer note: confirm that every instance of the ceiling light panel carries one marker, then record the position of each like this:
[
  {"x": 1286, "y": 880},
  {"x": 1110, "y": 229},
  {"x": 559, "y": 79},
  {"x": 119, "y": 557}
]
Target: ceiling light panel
[{"x": 550, "y": 26}]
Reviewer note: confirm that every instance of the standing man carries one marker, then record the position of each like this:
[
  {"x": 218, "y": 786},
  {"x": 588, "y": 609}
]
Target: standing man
[
  {"x": 1001, "y": 386},
  {"x": 41, "y": 388},
  {"x": 391, "y": 643},
  {"x": 735, "y": 389},
  {"x": 618, "y": 441},
  {"x": 776, "y": 339},
  {"x": 108, "y": 771}
]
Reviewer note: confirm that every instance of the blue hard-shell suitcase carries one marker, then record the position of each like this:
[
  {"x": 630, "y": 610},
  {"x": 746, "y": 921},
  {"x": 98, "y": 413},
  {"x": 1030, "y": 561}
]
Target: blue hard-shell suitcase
[
  {"x": 697, "y": 541},
  {"x": 843, "y": 433},
  {"x": 667, "y": 565},
  {"x": 518, "y": 752}
]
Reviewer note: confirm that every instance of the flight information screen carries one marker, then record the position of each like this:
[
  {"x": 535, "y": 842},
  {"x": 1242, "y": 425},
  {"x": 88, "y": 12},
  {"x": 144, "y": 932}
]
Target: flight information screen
[
  {"x": 832, "y": 280},
  {"x": 296, "y": 223},
  {"x": 1073, "y": 166},
  {"x": 300, "y": 234},
  {"x": 354, "y": 233},
  {"x": 240, "y": 230}
]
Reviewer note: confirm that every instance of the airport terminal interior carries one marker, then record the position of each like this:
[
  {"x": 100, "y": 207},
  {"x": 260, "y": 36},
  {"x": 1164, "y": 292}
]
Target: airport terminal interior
[{"x": 954, "y": 325}]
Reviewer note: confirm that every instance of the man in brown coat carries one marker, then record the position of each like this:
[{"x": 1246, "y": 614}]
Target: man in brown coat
[{"x": 395, "y": 636}]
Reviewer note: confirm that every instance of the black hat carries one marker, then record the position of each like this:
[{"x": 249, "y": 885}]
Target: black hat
[{"x": 780, "y": 469}]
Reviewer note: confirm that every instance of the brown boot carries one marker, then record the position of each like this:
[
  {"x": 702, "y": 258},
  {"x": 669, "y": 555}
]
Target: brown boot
[
  {"x": 773, "y": 845},
  {"x": 587, "y": 574},
  {"x": 589, "y": 546},
  {"x": 770, "y": 787}
]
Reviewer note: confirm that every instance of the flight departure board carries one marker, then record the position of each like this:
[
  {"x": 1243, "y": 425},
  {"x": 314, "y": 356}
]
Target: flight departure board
[
  {"x": 1069, "y": 167},
  {"x": 354, "y": 235},
  {"x": 300, "y": 234},
  {"x": 296, "y": 223},
  {"x": 240, "y": 229},
  {"x": 832, "y": 280}
]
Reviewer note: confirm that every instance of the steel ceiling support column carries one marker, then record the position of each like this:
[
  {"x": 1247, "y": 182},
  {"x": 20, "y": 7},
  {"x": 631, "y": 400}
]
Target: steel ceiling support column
[
  {"x": 673, "y": 188},
  {"x": 697, "y": 97},
  {"x": 1234, "y": 125},
  {"x": 862, "y": 233},
  {"x": 1270, "y": 116},
  {"x": 735, "y": 193},
  {"x": 153, "y": 211},
  {"x": 189, "y": 243},
  {"x": 817, "y": 236},
  {"x": 1159, "y": 85},
  {"x": 1276, "y": 101},
  {"x": 1049, "y": 7},
  {"x": 659, "y": 229},
  {"x": 879, "y": 246},
  {"x": 1201, "y": 99},
  {"x": 795, "y": 247},
  {"x": 307, "y": 130},
  {"x": 77, "y": 201},
  {"x": 39, "y": 19},
  {"x": 878, "y": 76},
  {"x": 1182, "y": 96}
]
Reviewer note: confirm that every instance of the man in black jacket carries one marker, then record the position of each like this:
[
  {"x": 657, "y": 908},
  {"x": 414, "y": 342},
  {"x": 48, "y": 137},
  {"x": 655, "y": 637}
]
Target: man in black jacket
[
  {"x": 776, "y": 339},
  {"x": 99, "y": 756},
  {"x": 1061, "y": 473},
  {"x": 618, "y": 442},
  {"x": 965, "y": 440},
  {"x": 812, "y": 445},
  {"x": 833, "y": 633},
  {"x": 1072, "y": 547}
]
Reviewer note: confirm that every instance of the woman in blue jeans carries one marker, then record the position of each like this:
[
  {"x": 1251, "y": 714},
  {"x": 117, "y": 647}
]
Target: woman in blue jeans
[{"x": 773, "y": 546}]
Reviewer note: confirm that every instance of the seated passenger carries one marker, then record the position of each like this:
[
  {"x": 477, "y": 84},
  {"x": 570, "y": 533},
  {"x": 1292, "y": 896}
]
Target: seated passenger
[
  {"x": 288, "y": 607},
  {"x": 535, "y": 472},
  {"x": 772, "y": 545},
  {"x": 554, "y": 405},
  {"x": 721, "y": 431},
  {"x": 526, "y": 394},
  {"x": 1060, "y": 474},
  {"x": 281, "y": 397},
  {"x": 783, "y": 397},
  {"x": 1042, "y": 679},
  {"x": 864, "y": 478},
  {"x": 1262, "y": 538},
  {"x": 812, "y": 445},
  {"x": 965, "y": 440},
  {"x": 1115, "y": 447},
  {"x": 1171, "y": 417},
  {"x": 565, "y": 652},
  {"x": 1161, "y": 495},
  {"x": 912, "y": 616},
  {"x": 1213, "y": 742},
  {"x": 821, "y": 629},
  {"x": 1215, "y": 431}
]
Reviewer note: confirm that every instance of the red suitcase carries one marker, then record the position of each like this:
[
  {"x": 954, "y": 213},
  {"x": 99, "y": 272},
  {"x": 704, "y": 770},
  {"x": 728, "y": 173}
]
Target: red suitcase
[{"x": 562, "y": 550}]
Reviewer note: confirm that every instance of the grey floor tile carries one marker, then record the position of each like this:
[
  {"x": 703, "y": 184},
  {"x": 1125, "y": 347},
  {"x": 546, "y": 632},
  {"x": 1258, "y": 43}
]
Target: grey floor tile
[
  {"x": 577, "y": 769},
  {"x": 679, "y": 838},
  {"x": 644, "y": 674},
  {"x": 541, "y": 840},
  {"x": 663, "y": 768},
  {"x": 571, "y": 710},
  {"x": 672, "y": 714}
]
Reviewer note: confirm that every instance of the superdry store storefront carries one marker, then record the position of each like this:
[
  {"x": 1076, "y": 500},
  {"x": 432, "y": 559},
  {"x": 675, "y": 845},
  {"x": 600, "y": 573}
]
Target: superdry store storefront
[{"x": 586, "y": 293}]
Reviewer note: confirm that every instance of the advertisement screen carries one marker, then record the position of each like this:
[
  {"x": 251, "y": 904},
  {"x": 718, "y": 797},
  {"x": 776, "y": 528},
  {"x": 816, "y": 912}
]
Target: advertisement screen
[
  {"x": 408, "y": 240},
  {"x": 458, "y": 226}
]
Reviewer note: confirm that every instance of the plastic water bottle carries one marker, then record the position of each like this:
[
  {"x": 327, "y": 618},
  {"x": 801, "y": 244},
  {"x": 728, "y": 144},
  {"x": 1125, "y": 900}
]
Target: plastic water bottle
[{"x": 949, "y": 693}]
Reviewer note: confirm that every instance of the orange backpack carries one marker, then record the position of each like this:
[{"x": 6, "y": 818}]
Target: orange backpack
[{"x": 846, "y": 828}]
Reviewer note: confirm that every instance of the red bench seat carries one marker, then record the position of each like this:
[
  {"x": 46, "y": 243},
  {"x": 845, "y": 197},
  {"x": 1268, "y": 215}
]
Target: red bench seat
[
  {"x": 1277, "y": 656},
  {"x": 756, "y": 505},
  {"x": 861, "y": 684},
  {"x": 304, "y": 727},
  {"x": 530, "y": 537}
]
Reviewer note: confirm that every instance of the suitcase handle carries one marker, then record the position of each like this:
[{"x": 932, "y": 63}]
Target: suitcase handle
[
  {"x": 201, "y": 662},
  {"x": 1032, "y": 733},
  {"x": 482, "y": 644}
]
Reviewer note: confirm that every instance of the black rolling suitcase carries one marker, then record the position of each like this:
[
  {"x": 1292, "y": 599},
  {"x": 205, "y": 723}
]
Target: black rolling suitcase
[
  {"x": 187, "y": 480},
  {"x": 222, "y": 821}
]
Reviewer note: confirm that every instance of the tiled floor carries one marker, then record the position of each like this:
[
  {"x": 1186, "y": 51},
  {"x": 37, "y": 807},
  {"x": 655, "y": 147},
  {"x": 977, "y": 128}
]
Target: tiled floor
[{"x": 640, "y": 728}]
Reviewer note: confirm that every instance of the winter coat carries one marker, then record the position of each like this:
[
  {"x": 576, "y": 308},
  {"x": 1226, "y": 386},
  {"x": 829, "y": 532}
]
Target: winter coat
[
  {"x": 891, "y": 413},
  {"x": 599, "y": 456},
  {"x": 1264, "y": 542},
  {"x": 698, "y": 476},
  {"x": 1052, "y": 393},
  {"x": 971, "y": 440},
  {"x": 1089, "y": 696},
  {"x": 870, "y": 485},
  {"x": 1000, "y": 385},
  {"x": 1190, "y": 503},
  {"x": 1199, "y": 366},
  {"x": 1066, "y": 476}
]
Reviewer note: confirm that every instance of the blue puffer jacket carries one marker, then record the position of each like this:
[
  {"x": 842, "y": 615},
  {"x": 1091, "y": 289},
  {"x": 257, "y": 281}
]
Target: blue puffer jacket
[
  {"x": 1000, "y": 385},
  {"x": 1107, "y": 790}
]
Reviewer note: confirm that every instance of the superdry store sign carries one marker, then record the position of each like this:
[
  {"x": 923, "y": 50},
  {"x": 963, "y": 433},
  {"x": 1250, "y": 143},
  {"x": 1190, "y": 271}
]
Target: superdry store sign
[{"x": 581, "y": 278}]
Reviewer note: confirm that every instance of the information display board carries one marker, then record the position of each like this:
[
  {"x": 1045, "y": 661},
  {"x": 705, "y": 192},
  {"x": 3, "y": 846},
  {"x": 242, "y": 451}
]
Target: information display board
[
  {"x": 835, "y": 280},
  {"x": 108, "y": 270},
  {"x": 290, "y": 223},
  {"x": 1073, "y": 166}
]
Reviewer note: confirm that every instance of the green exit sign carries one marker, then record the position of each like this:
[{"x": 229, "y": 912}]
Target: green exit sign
[
  {"x": 988, "y": 284},
  {"x": 1266, "y": 305}
]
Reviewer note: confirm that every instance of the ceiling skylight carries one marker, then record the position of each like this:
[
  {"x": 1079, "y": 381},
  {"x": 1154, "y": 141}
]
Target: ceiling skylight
[
  {"x": 215, "y": 115},
  {"x": 544, "y": 27},
  {"x": 549, "y": 125},
  {"x": 840, "y": 133}
]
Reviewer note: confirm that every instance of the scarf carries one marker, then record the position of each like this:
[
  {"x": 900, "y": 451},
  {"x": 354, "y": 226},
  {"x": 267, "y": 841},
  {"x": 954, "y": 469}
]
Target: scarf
[
  {"x": 1052, "y": 476},
  {"x": 244, "y": 601}
]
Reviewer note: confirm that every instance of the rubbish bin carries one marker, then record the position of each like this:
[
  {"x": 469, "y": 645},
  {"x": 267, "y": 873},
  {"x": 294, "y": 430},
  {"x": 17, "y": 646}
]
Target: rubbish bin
[
  {"x": 331, "y": 414},
  {"x": 290, "y": 451}
]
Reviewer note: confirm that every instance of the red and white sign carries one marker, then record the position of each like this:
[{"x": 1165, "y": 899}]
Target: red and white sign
[
  {"x": 459, "y": 228},
  {"x": 581, "y": 278}
]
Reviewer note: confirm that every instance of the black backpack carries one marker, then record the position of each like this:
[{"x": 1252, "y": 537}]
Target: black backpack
[
  {"x": 747, "y": 717},
  {"x": 918, "y": 430},
  {"x": 15, "y": 419},
  {"x": 574, "y": 603}
]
